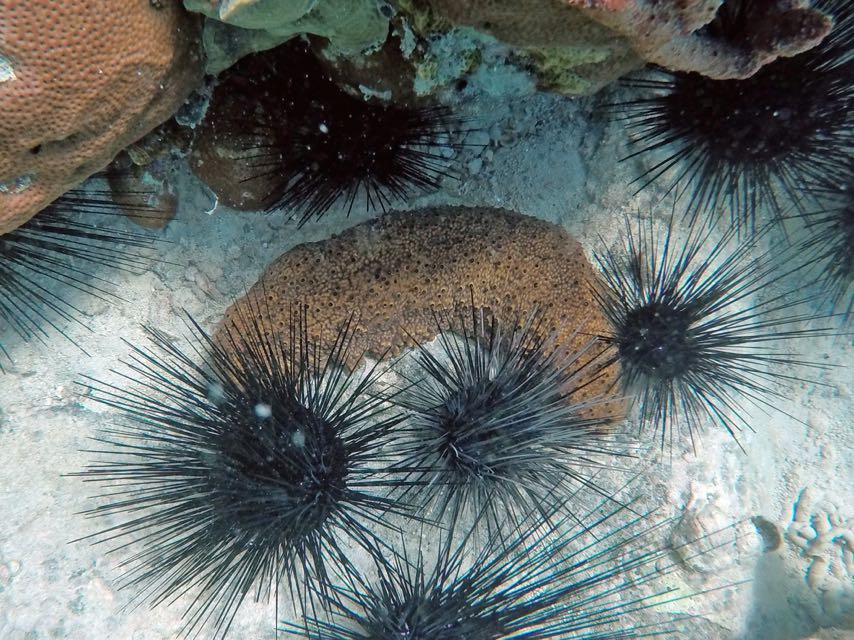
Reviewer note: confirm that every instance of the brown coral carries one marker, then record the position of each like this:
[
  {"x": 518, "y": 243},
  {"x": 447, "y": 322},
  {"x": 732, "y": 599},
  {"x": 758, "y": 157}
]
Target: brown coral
[
  {"x": 83, "y": 80},
  {"x": 397, "y": 269},
  {"x": 666, "y": 32}
]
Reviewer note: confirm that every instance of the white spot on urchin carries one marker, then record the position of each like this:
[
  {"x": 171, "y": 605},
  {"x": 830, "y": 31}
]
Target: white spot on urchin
[
  {"x": 216, "y": 393},
  {"x": 6, "y": 70},
  {"x": 298, "y": 439},
  {"x": 263, "y": 411}
]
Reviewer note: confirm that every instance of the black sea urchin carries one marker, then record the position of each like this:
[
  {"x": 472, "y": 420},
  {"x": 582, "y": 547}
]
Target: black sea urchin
[
  {"x": 56, "y": 253},
  {"x": 694, "y": 325},
  {"x": 547, "y": 581},
  {"x": 323, "y": 144},
  {"x": 830, "y": 243},
  {"x": 742, "y": 144},
  {"x": 494, "y": 430},
  {"x": 242, "y": 472}
]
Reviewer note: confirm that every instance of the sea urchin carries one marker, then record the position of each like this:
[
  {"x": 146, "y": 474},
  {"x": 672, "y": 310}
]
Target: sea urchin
[
  {"x": 549, "y": 580},
  {"x": 693, "y": 325},
  {"x": 321, "y": 144},
  {"x": 498, "y": 425},
  {"x": 60, "y": 248},
  {"x": 244, "y": 471},
  {"x": 741, "y": 144}
]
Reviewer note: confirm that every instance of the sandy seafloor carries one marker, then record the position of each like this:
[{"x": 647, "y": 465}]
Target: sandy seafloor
[{"x": 546, "y": 156}]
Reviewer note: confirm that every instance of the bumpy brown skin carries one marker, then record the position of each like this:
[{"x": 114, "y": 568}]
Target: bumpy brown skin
[
  {"x": 89, "y": 79},
  {"x": 396, "y": 270}
]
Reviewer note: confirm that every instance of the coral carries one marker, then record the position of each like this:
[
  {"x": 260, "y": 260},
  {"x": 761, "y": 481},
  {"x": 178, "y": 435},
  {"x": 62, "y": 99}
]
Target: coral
[
  {"x": 668, "y": 33},
  {"x": 386, "y": 72},
  {"x": 86, "y": 80},
  {"x": 239, "y": 27},
  {"x": 577, "y": 70},
  {"x": 567, "y": 51},
  {"x": 400, "y": 268},
  {"x": 672, "y": 34},
  {"x": 825, "y": 538}
]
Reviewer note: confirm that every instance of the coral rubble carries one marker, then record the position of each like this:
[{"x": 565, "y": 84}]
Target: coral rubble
[{"x": 86, "y": 80}]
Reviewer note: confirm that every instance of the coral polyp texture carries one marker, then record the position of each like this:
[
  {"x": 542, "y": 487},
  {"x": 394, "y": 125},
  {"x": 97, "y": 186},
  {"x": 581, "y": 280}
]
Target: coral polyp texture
[
  {"x": 670, "y": 33},
  {"x": 742, "y": 147},
  {"x": 86, "y": 80},
  {"x": 400, "y": 269},
  {"x": 58, "y": 255},
  {"x": 295, "y": 140},
  {"x": 491, "y": 434},
  {"x": 241, "y": 472},
  {"x": 550, "y": 579},
  {"x": 700, "y": 332}
]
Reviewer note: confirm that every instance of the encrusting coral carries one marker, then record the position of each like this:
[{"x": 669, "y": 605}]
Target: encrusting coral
[
  {"x": 397, "y": 270},
  {"x": 85, "y": 79},
  {"x": 668, "y": 33},
  {"x": 238, "y": 27},
  {"x": 672, "y": 34},
  {"x": 566, "y": 51}
]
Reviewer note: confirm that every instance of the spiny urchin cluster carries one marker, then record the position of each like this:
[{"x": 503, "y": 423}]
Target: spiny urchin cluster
[{"x": 254, "y": 462}]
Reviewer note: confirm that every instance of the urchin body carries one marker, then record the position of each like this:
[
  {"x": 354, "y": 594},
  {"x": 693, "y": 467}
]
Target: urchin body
[
  {"x": 322, "y": 145},
  {"x": 548, "y": 579},
  {"x": 252, "y": 467},
  {"x": 694, "y": 327},
  {"x": 748, "y": 146},
  {"x": 493, "y": 431}
]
